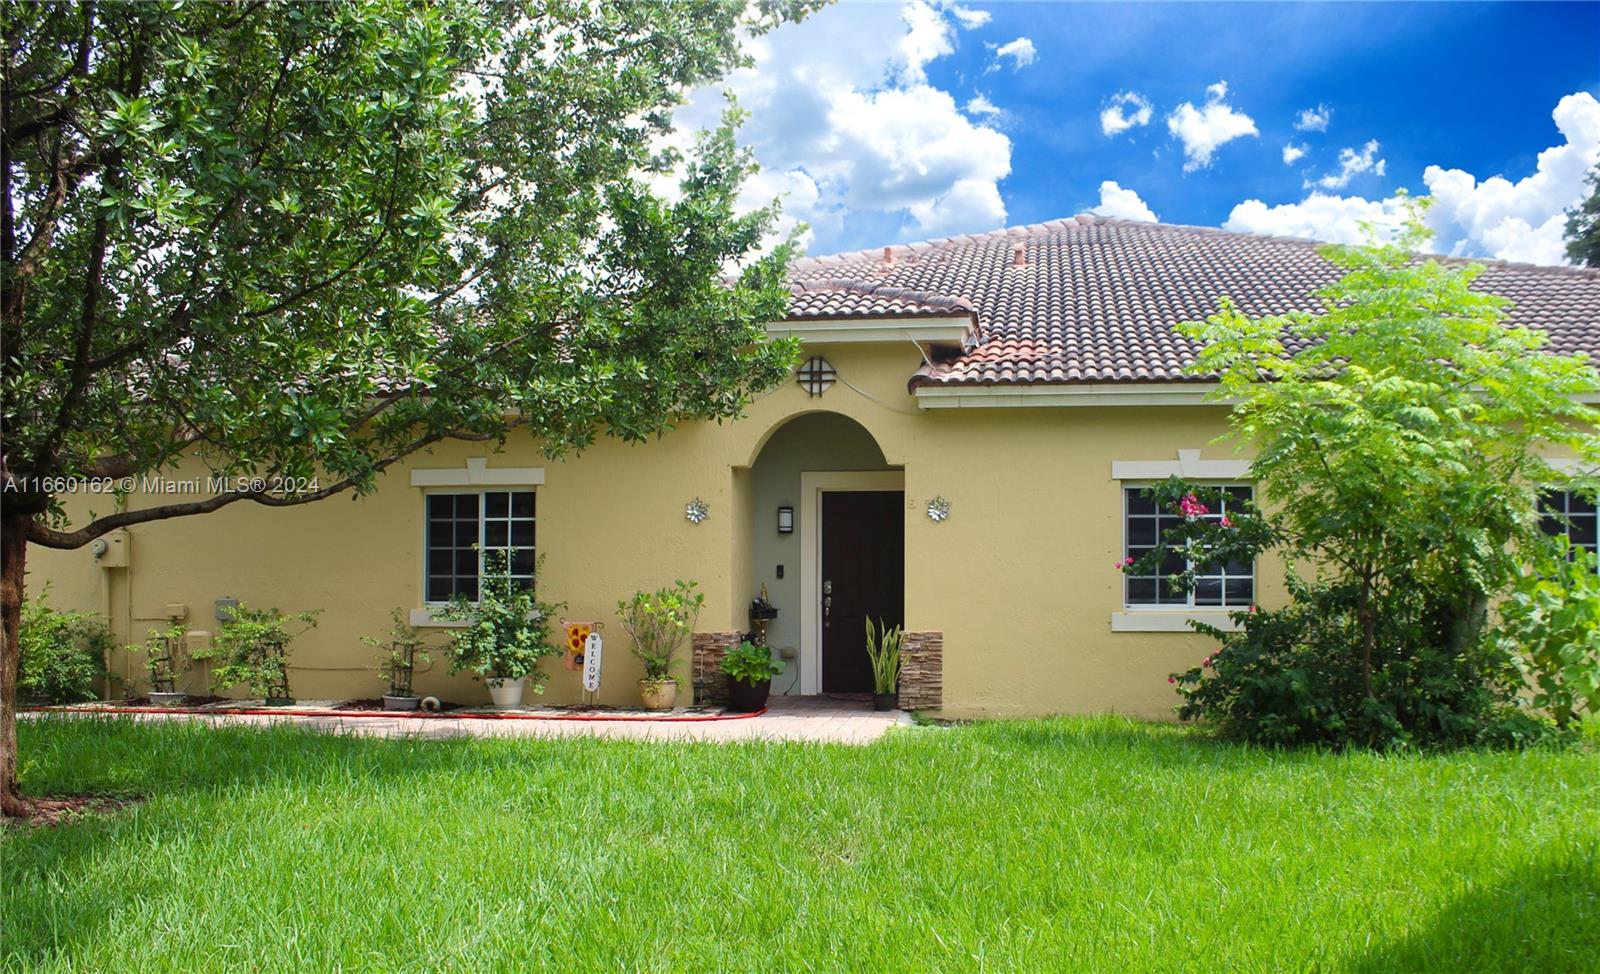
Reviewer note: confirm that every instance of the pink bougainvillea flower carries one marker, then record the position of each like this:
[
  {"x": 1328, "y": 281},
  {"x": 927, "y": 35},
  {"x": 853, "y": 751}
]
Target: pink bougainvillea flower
[
  {"x": 1252, "y": 610},
  {"x": 1172, "y": 679},
  {"x": 1190, "y": 506},
  {"x": 1226, "y": 522},
  {"x": 1128, "y": 560}
]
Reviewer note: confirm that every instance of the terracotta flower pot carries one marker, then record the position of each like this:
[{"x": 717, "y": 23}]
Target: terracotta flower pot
[{"x": 659, "y": 694}]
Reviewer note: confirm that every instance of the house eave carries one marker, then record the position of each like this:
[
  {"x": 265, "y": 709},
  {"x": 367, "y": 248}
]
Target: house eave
[
  {"x": 1084, "y": 394},
  {"x": 946, "y": 330}
]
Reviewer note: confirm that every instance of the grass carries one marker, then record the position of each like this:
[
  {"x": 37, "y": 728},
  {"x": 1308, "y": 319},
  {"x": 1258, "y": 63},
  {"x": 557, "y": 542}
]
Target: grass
[{"x": 1073, "y": 844}]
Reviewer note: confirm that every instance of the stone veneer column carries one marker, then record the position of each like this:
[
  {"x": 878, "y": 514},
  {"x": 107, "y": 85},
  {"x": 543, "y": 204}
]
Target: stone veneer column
[
  {"x": 710, "y": 683},
  {"x": 922, "y": 671}
]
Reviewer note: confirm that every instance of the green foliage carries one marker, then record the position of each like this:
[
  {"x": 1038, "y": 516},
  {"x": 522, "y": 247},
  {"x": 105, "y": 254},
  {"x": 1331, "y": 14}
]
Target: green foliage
[
  {"x": 1552, "y": 620},
  {"x": 399, "y": 653},
  {"x": 1583, "y": 226},
  {"x": 883, "y": 650},
  {"x": 660, "y": 622},
  {"x": 62, "y": 653},
  {"x": 1399, "y": 438},
  {"x": 508, "y": 628},
  {"x": 751, "y": 664},
  {"x": 163, "y": 651},
  {"x": 1287, "y": 677},
  {"x": 253, "y": 646},
  {"x": 305, "y": 240}
]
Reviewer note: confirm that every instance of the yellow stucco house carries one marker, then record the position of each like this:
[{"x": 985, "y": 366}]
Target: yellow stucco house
[{"x": 959, "y": 451}]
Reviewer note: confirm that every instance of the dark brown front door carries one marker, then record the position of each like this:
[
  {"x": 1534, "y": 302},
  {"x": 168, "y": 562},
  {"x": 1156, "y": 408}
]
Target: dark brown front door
[{"x": 863, "y": 574}]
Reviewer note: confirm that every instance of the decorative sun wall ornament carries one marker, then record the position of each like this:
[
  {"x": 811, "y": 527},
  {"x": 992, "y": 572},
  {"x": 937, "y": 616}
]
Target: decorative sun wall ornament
[
  {"x": 696, "y": 510},
  {"x": 815, "y": 376},
  {"x": 938, "y": 509}
]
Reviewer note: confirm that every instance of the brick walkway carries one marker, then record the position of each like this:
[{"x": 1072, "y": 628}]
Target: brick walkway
[{"x": 815, "y": 719}]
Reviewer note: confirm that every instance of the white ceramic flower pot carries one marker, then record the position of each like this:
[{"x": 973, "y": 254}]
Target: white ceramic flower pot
[{"x": 508, "y": 695}]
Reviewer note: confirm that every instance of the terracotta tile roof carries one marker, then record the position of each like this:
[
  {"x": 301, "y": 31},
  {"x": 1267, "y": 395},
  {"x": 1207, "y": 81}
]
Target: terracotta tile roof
[
  {"x": 1095, "y": 299},
  {"x": 828, "y": 298}
]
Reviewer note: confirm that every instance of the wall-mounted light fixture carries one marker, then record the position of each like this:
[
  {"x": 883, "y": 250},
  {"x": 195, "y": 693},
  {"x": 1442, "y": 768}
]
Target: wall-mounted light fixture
[{"x": 785, "y": 519}]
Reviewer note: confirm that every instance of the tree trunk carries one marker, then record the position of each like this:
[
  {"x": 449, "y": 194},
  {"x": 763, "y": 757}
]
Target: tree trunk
[
  {"x": 1369, "y": 634},
  {"x": 13, "y": 558}
]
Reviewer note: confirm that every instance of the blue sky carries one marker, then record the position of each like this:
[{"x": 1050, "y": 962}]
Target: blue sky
[{"x": 887, "y": 122}]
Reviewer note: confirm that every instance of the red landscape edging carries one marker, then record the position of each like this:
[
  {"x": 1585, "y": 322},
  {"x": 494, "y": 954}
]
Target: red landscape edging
[{"x": 417, "y": 715}]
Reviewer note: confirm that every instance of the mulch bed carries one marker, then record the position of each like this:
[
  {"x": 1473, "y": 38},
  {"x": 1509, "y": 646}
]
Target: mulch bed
[
  {"x": 50, "y": 812},
  {"x": 376, "y": 703},
  {"x": 193, "y": 701}
]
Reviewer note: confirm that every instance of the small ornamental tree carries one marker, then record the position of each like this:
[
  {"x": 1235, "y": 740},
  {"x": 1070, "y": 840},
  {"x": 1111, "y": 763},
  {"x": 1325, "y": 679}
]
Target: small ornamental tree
[
  {"x": 298, "y": 242},
  {"x": 1399, "y": 437}
]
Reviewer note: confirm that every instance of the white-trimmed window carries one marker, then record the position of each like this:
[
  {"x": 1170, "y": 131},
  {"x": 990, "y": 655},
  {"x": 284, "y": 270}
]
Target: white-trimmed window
[
  {"x": 1570, "y": 513},
  {"x": 1217, "y": 584},
  {"x": 461, "y": 527}
]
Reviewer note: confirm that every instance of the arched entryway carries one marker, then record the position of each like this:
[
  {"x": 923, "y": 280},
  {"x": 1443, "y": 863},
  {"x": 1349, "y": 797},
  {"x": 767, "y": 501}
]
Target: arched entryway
[{"x": 843, "y": 561}]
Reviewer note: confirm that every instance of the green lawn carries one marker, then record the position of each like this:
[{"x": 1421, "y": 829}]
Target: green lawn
[{"x": 1082, "y": 845}]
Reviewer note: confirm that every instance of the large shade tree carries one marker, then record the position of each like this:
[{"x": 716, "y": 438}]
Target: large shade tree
[
  {"x": 307, "y": 240},
  {"x": 1583, "y": 225}
]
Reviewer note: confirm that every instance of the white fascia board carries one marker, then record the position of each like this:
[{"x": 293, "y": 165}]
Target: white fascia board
[
  {"x": 477, "y": 473},
  {"x": 956, "y": 329},
  {"x": 1089, "y": 394},
  {"x": 1189, "y": 466}
]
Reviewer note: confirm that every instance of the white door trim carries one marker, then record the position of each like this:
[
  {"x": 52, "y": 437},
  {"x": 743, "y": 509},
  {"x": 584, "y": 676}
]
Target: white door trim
[{"x": 812, "y": 486}]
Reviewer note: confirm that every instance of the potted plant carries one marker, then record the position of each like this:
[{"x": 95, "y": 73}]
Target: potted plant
[
  {"x": 659, "y": 623},
  {"x": 750, "y": 670},
  {"x": 163, "y": 653},
  {"x": 883, "y": 648},
  {"x": 507, "y": 633},
  {"x": 398, "y": 656},
  {"x": 254, "y": 647}
]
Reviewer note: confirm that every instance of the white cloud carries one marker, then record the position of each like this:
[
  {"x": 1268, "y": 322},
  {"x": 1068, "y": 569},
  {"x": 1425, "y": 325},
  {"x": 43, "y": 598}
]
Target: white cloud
[
  {"x": 1203, "y": 130},
  {"x": 1353, "y": 164},
  {"x": 1293, "y": 153},
  {"x": 845, "y": 123},
  {"x": 1520, "y": 220},
  {"x": 1125, "y": 203},
  {"x": 967, "y": 204},
  {"x": 1020, "y": 51},
  {"x": 981, "y": 105},
  {"x": 1314, "y": 119},
  {"x": 1494, "y": 217},
  {"x": 968, "y": 17},
  {"x": 1334, "y": 219},
  {"x": 1125, "y": 110},
  {"x": 928, "y": 37}
]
